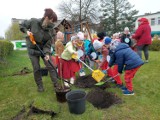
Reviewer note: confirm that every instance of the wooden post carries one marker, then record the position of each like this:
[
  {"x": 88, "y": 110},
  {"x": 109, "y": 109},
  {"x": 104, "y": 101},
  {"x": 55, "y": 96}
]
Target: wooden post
[{"x": 88, "y": 31}]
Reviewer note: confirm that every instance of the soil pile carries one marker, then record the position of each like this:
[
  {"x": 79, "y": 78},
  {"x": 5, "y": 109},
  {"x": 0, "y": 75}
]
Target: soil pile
[
  {"x": 88, "y": 82},
  {"x": 24, "y": 71},
  {"x": 85, "y": 81},
  {"x": 102, "y": 99},
  {"x": 31, "y": 110}
]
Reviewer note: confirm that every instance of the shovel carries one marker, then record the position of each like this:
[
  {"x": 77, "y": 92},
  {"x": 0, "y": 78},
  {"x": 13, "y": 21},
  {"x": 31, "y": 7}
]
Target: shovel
[
  {"x": 34, "y": 43},
  {"x": 31, "y": 37},
  {"x": 96, "y": 74},
  {"x": 103, "y": 82}
]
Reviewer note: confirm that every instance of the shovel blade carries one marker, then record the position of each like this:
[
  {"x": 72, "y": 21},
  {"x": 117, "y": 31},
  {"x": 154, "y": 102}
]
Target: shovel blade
[
  {"x": 100, "y": 83},
  {"x": 98, "y": 75}
]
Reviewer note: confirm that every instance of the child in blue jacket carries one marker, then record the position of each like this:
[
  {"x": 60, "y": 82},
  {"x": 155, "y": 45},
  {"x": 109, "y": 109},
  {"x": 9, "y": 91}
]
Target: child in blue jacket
[{"x": 128, "y": 60}]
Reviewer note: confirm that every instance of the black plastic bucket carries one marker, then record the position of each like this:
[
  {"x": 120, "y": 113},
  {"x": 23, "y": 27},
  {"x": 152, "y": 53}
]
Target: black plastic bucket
[
  {"x": 44, "y": 71},
  {"x": 76, "y": 101}
]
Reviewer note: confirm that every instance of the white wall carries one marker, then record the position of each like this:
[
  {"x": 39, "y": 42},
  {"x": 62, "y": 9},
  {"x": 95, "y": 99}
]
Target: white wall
[{"x": 155, "y": 27}]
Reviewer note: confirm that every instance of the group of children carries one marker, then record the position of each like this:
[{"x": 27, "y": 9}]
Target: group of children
[{"x": 112, "y": 56}]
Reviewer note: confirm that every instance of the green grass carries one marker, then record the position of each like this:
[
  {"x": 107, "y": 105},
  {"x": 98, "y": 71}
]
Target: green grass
[{"x": 16, "y": 91}]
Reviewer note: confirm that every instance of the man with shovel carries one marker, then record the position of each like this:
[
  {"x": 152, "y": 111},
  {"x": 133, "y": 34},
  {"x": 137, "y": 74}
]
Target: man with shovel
[{"x": 43, "y": 32}]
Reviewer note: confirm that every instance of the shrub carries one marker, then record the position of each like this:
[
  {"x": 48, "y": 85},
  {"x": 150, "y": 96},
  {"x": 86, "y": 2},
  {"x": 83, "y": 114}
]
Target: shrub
[
  {"x": 155, "y": 46},
  {"x": 6, "y": 48}
]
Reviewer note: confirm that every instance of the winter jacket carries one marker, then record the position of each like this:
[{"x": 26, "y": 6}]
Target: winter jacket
[
  {"x": 143, "y": 34},
  {"x": 43, "y": 37},
  {"x": 68, "y": 51},
  {"x": 86, "y": 45},
  {"x": 125, "y": 58},
  {"x": 124, "y": 36},
  {"x": 104, "y": 52},
  {"x": 90, "y": 50}
]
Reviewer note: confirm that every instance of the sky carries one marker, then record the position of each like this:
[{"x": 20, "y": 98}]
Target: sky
[{"x": 21, "y": 9}]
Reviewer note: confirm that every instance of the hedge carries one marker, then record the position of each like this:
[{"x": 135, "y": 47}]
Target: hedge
[
  {"x": 155, "y": 46},
  {"x": 6, "y": 48}
]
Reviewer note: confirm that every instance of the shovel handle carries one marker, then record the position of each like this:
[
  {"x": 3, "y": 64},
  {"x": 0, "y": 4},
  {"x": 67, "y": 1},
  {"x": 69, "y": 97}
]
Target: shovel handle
[
  {"x": 85, "y": 64},
  {"x": 112, "y": 77},
  {"x": 31, "y": 37},
  {"x": 76, "y": 57},
  {"x": 103, "y": 82}
]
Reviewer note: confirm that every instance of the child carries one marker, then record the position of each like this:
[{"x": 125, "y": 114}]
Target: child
[
  {"x": 67, "y": 66},
  {"x": 87, "y": 42},
  {"x": 94, "y": 38},
  {"x": 59, "y": 47},
  {"x": 114, "y": 72},
  {"x": 117, "y": 37},
  {"x": 125, "y": 38},
  {"x": 81, "y": 48},
  {"x": 101, "y": 36},
  {"x": 90, "y": 55},
  {"x": 97, "y": 45},
  {"x": 105, "y": 53},
  {"x": 86, "y": 45},
  {"x": 128, "y": 60}
]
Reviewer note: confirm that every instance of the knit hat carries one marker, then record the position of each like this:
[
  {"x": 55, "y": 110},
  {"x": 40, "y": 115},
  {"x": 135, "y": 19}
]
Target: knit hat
[
  {"x": 107, "y": 40},
  {"x": 50, "y": 14},
  {"x": 74, "y": 37},
  {"x": 80, "y": 35},
  {"x": 114, "y": 45},
  {"x": 126, "y": 29},
  {"x": 97, "y": 44}
]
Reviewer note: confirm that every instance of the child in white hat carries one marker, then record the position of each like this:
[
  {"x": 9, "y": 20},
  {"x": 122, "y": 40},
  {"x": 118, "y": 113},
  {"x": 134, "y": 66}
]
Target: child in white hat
[{"x": 67, "y": 66}]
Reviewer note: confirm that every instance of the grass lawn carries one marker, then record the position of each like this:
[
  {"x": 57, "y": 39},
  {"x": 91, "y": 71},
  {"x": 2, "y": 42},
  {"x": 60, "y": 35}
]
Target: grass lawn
[{"x": 18, "y": 91}]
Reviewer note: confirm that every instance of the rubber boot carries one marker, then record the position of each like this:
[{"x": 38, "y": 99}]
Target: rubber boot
[{"x": 40, "y": 87}]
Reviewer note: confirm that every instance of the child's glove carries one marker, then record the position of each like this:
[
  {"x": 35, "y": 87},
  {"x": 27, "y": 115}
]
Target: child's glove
[
  {"x": 75, "y": 56},
  {"x": 104, "y": 71}
]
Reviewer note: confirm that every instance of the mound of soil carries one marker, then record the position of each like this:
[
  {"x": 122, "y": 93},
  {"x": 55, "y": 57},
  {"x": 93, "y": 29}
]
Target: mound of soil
[
  {"x": 24, "y": 71},
  {"x": 102, "y": 99},
  {"x": 88, "y": 82},
  {"x": 85, "y": 81}
]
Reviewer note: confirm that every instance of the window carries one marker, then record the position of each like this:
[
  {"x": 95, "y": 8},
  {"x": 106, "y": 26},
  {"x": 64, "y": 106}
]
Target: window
[
  {"x": 158, "y": 20},
  {"x": 152, "y": 21}
]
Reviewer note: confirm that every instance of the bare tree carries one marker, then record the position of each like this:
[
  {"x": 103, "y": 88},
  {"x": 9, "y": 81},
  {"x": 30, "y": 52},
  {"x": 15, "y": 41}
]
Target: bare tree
[{"x": 80, "y": 10}]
